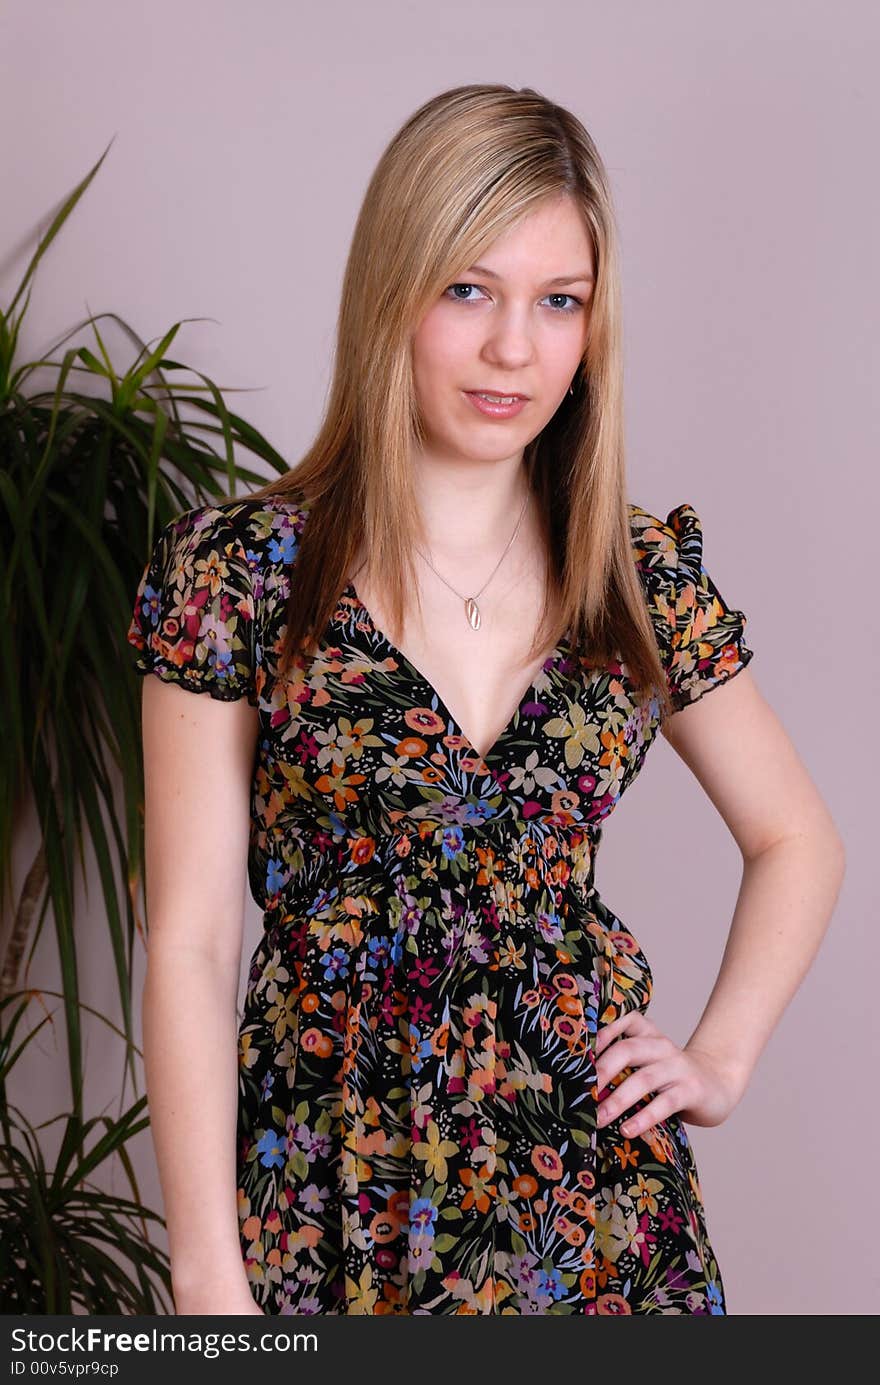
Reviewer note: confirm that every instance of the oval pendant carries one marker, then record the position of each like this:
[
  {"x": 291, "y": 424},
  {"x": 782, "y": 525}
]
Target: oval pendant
[{"x": 472, "y": 611}]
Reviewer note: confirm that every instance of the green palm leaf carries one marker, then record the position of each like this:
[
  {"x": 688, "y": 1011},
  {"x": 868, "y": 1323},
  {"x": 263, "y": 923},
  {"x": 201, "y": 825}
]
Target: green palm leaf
[{"x": 89, "y": 470}]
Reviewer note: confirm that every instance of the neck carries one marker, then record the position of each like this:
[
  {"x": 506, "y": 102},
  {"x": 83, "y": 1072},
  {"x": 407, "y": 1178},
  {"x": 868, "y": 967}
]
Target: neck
[{"x": 469, "y": 507}]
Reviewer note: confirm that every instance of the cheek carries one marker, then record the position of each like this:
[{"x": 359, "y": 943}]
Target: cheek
[
  {"x": 441, "y": 349},
  {"x": 561, "y": 353}
]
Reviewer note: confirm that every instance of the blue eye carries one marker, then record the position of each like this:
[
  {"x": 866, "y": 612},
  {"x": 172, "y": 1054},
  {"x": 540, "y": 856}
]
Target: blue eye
[
  {"x": 574, "y": 303},
  {"x": 462, "y": 286}
]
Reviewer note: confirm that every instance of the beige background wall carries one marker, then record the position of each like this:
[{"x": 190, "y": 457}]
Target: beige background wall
[{"x": 741, "y": 143}]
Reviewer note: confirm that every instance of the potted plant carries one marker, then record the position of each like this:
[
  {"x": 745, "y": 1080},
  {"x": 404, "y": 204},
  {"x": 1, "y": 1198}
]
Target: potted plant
[{"x": 90, "y": 469}]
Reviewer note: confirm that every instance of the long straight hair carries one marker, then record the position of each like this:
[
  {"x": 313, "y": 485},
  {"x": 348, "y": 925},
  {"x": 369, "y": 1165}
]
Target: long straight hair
[{"x": 466, "y": 166}]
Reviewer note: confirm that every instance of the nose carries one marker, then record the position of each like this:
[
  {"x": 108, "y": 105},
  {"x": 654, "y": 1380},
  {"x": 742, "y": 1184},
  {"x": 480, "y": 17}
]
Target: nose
[{"x": 509, "y": 342}]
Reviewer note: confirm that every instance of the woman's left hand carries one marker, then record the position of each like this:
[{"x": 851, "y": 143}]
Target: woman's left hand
[{"x": 697, "y": 1085}]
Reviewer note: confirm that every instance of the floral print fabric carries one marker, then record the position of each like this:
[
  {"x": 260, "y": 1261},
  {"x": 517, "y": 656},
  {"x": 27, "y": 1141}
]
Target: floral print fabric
[{"x": 417, "y": 1090}]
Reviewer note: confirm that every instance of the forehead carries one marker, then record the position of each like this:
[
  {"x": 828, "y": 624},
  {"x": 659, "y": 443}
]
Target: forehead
[{"x": 549, "y": 245}]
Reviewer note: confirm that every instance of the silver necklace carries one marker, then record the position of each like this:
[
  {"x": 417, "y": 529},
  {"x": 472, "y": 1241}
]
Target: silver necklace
[{"x": 471, "y": 609}]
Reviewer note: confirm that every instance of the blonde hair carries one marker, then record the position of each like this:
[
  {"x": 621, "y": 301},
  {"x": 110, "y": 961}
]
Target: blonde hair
[{"x": 465, "y": 167}]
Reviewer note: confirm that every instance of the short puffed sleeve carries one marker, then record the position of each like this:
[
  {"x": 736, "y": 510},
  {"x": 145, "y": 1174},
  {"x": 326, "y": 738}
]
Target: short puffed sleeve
[
  {"x": 702, "y": 636},
  {"x": 194, "y": 617}
]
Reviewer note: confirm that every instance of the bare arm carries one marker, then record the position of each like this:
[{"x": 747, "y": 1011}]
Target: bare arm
[
  {"x": 198, "y": 760},
  {"x": 793, "y": 856}
]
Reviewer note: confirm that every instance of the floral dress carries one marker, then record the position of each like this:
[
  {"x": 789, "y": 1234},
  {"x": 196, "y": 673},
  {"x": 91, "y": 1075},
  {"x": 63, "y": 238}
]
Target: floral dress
[{"x": 417, "y": 1085}]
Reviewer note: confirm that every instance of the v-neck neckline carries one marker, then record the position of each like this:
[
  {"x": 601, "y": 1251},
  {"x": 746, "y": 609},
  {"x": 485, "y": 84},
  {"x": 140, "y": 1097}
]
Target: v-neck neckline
[{"x": 530, "y": 694}]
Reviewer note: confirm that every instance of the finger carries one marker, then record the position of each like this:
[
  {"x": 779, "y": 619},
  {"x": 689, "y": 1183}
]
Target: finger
[
  {"x": 632, "y": 1021},
  {"x": 638, "y": 1084},
  {"x": 664, "y": 1104},
  {"x": 607, "y": 1033},
  {"x": 633, "y": 1052}
]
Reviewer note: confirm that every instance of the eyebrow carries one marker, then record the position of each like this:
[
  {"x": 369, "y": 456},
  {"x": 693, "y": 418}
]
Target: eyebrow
[{"x": 560, "y": 278}]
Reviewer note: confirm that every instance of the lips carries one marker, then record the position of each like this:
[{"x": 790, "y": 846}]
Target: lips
[
  {"x": 499, "y": 394},
  {"x": 490, "y": 408}
]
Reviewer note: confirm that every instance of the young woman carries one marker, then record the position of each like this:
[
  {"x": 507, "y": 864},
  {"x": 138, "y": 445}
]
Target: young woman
[{"x": 437, "y": 652}]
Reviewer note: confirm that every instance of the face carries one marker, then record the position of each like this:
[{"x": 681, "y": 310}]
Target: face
[{"x": 506, "y": 328}]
